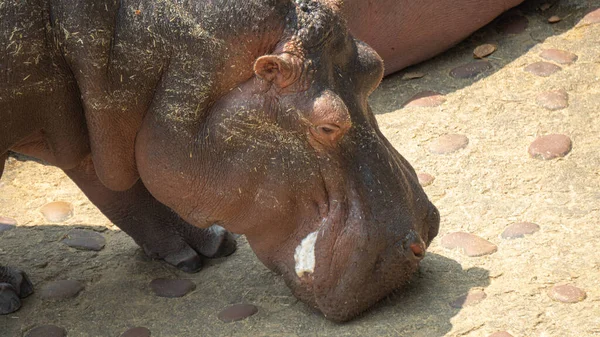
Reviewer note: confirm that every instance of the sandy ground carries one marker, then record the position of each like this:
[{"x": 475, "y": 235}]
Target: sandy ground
[{"x": 481, "y": 189}]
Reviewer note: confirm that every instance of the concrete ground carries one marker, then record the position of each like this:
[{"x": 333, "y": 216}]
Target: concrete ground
[{"x": 480, "y": 189}]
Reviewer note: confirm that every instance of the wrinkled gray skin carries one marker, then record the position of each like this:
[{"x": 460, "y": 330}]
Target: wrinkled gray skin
[{"x": 248, "y": 114}]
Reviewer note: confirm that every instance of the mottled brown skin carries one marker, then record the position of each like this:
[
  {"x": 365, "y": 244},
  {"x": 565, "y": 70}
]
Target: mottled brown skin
[{"x": 258, "y": 123}]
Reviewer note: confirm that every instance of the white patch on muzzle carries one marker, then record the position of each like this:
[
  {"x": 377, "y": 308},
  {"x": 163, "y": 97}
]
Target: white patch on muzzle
[{"x": 305, "y": 254}]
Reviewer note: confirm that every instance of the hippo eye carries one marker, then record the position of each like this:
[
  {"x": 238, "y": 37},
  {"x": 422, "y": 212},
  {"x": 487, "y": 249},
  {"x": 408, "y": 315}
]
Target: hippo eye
[
  {"x": 326, "y": 130},
  {"x": 327, "y": 134}
]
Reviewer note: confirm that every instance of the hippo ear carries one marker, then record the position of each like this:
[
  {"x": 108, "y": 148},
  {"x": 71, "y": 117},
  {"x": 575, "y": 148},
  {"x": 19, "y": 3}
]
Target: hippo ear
[{"x": 282, "y": 70}]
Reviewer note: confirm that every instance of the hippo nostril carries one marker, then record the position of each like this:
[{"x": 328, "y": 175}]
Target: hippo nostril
[
  {"x": 418, "y": 250},
  {"x": 413, "y": 243}
]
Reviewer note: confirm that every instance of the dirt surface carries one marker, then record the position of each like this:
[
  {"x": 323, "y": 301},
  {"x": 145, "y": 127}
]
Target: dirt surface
[{"x": 481, "y": 189}]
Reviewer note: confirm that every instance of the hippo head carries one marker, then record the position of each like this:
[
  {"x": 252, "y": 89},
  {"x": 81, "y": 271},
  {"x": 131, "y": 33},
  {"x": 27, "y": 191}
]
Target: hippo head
[{"x": 293, "y": 158}]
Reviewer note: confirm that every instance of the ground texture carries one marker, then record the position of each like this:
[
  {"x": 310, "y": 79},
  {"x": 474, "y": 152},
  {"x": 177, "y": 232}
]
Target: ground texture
[{"x": 480, "y": 189}]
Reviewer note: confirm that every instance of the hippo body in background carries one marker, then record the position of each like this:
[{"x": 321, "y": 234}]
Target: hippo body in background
[
  {"x": 406, "y": 32},
  {"x": 252, "y": 115}
]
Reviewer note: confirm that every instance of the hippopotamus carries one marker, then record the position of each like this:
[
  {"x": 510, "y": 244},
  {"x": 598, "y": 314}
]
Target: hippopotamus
[
  {"x": 406, "y": 32},
  {"x": 185, "y": 121}
]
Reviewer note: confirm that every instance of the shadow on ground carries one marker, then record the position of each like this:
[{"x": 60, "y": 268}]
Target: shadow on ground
[{"x": 117, "y": 295}]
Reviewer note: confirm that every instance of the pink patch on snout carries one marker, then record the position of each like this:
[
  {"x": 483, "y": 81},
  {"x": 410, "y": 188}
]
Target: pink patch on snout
[{"x": 305, "y": 255}]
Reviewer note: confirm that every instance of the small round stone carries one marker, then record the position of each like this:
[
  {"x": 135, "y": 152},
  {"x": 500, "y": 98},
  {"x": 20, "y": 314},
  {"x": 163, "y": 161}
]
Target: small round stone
[
  {"x": 57, "y": 211},
  {"x": 545, "y": 6},
  {"x": 426, "y": 99},
  {"x": 4, "y": 228},
  {"x": 7, "y": 221},
  {"x": 559, "y": 56},
  {"x": 500, "y": 334},
  {"x": 471, "y": 70},
  {"x": 425, "y": 179},
  {"x": 567, "y": 293},
  {"x": 412, "y": 75},
  {"x": 543, "y": 69},
  {"x": 172, "y": 287},
  {"x": 553, "y": 100},
  {"x": 136, "y": 332},
  {"x": 7, "y": 224},
  {"x": 470, "y": 244},
  {"x": 47, "y": 331},
  {"x": 512, "y": 23},
  {"x": 237, "y": 312},
  {"x": 60, "y": 290},
  {"x": 484, "y": 50},
  {"x": 592, "y": 17},
  {"x": 448, "y": 143},
  {"x": 519, "y": 230},
  {"x": 550, "y": 147},
  {"x": 554, "y": 19},
  {"x": 473, "y": 297},
  {"x": 84, "y": 240}
]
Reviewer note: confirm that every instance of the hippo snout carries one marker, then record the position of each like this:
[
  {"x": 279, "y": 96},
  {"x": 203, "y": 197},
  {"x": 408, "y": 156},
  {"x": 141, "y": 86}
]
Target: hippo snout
[
  {"x": 432, "y": 223},
  {"x": 352, "y": 266}
]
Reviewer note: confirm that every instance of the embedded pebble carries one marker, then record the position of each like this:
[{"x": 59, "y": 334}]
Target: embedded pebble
[
  {"x": 57, "y": 211},
  {"x": 4, "y": 228},
  {"x": 473, "y": 297},
  {"x": 470, "y": 70},
  {"x": 7, "y": 221},
  {"x": 545, "y": 6},
  {"x": 59, "y": 290},
  {"x": 425, "y": 179},
  {"x": 567, "y": 293},
  {"x": 470, "y": 244},
  {"x": 136, "y": 332},
  {"x": 484, "y": 50},
  {"x": 237, "y": 312},
  {"x": 448, "y": 143},
  {"x": 171, "y": 287},
  {"x": 412, "y": 75},
  {"x": 41, "y": 264},
  {"x": 426, "y": 99},
  {"x": 554, "y": 19},
  {"x": 553, "y": 100},
  {"x": 519, "y": 230},
  {"x": 591, "y": 17},
  {"x": 500, "y": 334},
  {"x": 550, "y": 147},
  {"x": 559, "y": 56},
  {"x": 84, "y": 240},
  {"x": 47, "y": 331},
  {"x": 543, "y": 69},
  {"x": 512, "y": 23},
  {"x": 7, "y": 224}
]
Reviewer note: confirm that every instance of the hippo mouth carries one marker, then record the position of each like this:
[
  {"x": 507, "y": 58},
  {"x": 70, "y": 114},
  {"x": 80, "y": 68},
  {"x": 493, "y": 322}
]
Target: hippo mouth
[
  {"x": 341, "y": 271},
  {"x": 308, "y": 255}
]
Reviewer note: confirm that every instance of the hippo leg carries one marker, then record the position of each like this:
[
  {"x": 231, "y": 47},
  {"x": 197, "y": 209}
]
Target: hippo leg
[
  {"x": 14, "y": 285},
  {"x": 155, "y": 227}
]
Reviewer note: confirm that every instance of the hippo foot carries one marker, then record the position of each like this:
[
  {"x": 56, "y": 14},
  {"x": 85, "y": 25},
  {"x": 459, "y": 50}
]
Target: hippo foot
[
  {"x": 14, "y": 285},
  {"x": 216, "y": 242},
  {"x": 187, "y": 260},
  {"x": 9, "y": 299},
  {"x": 192, "y": 244}
]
